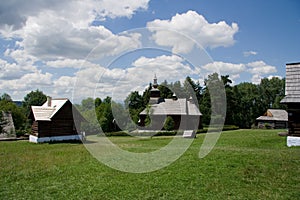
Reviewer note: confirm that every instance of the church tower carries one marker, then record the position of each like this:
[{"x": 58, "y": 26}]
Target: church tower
[{"x": 154, "y": 92}]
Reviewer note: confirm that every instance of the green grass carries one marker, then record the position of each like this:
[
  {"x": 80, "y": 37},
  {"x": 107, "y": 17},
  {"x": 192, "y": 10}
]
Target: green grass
[{"x": 245, "y": 164}]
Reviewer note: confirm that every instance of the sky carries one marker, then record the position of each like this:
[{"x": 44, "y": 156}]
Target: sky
[{"x": 98, "y": 48}]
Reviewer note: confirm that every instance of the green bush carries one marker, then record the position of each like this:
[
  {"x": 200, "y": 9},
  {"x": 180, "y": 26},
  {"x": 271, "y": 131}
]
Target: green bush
[
  {"x": 118, "y": 133},
  {"x": 225, "y": 128},
  {"x": 169, "y": 124}
]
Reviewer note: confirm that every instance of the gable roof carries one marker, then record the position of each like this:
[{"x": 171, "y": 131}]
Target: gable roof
[
  {"x": 292, "y": 83},
  {"x": 45, "y": 112},
  {"x": 174, "y": 107},
  {"x": 274, "y": 115}
]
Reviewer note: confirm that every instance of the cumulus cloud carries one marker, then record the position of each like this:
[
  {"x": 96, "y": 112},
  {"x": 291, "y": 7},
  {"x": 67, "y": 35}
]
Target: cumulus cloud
[
  {"x": 13, "y": 71},
  {"x": 261, "y": 68},
  {"x": 71, "y": 63},
  {"x": 49, "y": 30},
  {"x": 258, "y": 69},
  {"x": 256, "y": 78},
  {"x": 172, "y": 68},
  {"x": 59, "y": 34},
  {"x": 14, "y": 14},
  {"x": 99, "y": 81},
  {"x": 172, "y": 62},
  {"x": 48, "y": 36},
  {"x": 90, "y": 80},
  {"x": 225, "y": 68},
  {"x": 23, "y": 85},
  {"x": 195, "y": 26}
]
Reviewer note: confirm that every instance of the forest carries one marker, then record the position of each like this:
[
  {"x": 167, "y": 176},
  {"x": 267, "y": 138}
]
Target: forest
[{"x": 244, "y": 103}]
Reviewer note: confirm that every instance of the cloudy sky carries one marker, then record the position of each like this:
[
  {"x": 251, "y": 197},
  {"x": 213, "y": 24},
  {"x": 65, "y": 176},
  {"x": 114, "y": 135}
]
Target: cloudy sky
[{"x": 98, "y": 48}]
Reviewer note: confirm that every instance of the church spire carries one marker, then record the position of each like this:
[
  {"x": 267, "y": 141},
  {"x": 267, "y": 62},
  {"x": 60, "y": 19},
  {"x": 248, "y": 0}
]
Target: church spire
[
  {"x": 155, "y": 85},
  {"x": 154, "y": 92}
]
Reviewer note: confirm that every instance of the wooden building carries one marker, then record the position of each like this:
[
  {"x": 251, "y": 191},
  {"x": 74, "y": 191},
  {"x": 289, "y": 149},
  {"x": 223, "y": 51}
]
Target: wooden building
[
  {"x": 273, "y": 118},
  {"x": 292, "y": 100},
  {"x": 184, "y": 112},
  {"x": 55, "y": 120}
]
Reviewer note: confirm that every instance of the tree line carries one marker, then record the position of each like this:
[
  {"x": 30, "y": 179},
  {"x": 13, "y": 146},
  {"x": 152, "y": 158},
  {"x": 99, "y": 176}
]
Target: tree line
[{"x": 244, "y": 103}]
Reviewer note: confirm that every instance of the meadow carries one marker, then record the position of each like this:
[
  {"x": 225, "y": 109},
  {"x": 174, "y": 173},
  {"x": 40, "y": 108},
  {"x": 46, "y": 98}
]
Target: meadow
[{"x": 245, "y": 164}]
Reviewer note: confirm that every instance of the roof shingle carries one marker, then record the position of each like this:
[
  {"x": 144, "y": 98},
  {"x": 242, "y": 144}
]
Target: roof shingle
[{"x": 44, "y": 112}]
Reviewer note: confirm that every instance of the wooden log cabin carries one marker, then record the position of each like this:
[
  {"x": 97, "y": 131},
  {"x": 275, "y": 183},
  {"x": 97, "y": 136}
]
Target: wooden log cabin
[
  {"x": 55, "y": 120},
  {"x": 273, "y": 118},
  {"x": 292, "y": 100}
]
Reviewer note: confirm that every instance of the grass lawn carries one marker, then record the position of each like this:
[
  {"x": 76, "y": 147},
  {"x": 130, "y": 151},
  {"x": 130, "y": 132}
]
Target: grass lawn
[{"x": 245, "y": 164}]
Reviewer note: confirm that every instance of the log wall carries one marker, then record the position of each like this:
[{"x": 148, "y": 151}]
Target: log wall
[{"x": 294, "y": 119}]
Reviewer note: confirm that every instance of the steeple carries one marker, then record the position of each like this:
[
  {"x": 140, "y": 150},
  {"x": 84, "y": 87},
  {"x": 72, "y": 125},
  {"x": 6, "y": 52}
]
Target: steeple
[
  {"x": 154, "y": 92},
  {"x": 155, "y": 85}
]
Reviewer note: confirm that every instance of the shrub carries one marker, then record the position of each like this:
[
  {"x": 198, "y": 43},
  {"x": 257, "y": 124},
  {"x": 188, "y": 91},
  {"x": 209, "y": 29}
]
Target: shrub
[
  {"x": 169, "y": 124},
  {"x": 225, "y": 128}
]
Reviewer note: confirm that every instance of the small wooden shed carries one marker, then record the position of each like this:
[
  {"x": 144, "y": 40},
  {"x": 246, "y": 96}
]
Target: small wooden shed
[
  {"x": 273, "y": 118},
  {"x": 55, "y": 120}
]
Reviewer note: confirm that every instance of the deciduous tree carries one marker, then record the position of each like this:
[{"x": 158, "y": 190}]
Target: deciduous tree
[{"x": 34, "y": 98}]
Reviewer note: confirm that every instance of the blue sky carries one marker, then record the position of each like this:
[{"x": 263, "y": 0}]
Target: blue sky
[{"x": 79, "y": 49}]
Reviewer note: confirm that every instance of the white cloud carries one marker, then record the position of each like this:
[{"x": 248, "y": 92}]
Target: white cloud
[
  {"x": 14, "y": 14},
  {"x": 249, "y": 53},
  {"x": 28, "y": 82},
  {"x": 63, "y": 29},
  {"x": 49, "y": 37},
  {"x": 63, "y": 87},
  {"x": 13, "y": 71},
  {"x": 20, "y": 56},
  {"x": 195, "y": 26},
  {"x": 171, "y": 68},
  {"x": 59, "y": 34},
  {"x": 117, "y": 8},
  {"x": 225, "y": 68},
  {"x": 96, "y": 80},
  {"x": 256, "y": 78},
  {"x": 260, "y": 67},
  {"x": 159, "y": 63},
  {"x": 71, "y": 63}
]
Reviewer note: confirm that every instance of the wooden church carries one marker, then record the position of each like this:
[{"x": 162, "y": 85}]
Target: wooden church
[
  {"x": 292, "y": 100},
  {"x": 55, "y": 120},
  {"x": 184, "y": 112}
]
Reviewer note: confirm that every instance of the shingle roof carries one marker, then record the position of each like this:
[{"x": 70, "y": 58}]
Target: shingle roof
[
  {"x": 274, "y": 115},
  {"x": 174, "y": 107},
  {"x": 44, "y": 112},
  {"x": 292, "y": 84}
]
